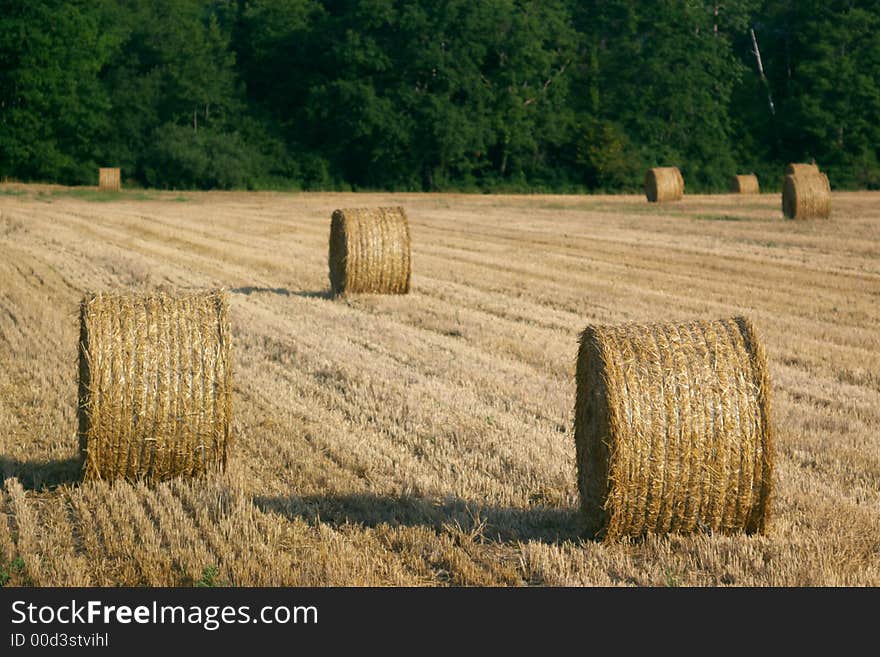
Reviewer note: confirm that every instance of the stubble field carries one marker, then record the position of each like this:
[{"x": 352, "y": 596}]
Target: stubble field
[{"x": 427, "y": 439}]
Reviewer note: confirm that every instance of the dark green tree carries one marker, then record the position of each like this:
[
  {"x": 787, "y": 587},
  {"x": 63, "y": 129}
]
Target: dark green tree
[
  {"x": 53, "y": 107},
  {"x": 823, "y": 66},
  {"x": 420, "y": 94}
]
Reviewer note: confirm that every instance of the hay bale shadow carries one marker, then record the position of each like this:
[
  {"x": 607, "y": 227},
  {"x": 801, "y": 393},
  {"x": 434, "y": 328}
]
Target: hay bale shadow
[
  {"x": 42, "y": 474},
  {"x": 545, "y": 524},
  {"x": 248, "y": 290}
]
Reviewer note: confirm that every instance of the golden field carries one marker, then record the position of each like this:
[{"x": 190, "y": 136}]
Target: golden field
[{"x": 427, "y": 439}]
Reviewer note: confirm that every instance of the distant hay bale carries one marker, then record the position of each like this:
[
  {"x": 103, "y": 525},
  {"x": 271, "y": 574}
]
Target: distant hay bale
[
  {"x": 680, "y": 180},
  {"x": 109, "y": 180},
  {"x": 745, "y": 184},
  {"x": 806, "y": 196},
  {"x": 370, "y": 251},
  {"x": 672, "y": 428},
  {"x": 664, "y": 184},
  {"x": 796, "y": 168},
  {"x": 155, "y": 385}
]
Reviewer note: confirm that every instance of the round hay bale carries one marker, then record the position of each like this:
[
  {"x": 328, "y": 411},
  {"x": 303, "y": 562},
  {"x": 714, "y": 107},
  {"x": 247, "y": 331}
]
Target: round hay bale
[
  {"x": 745, "y": 184},
  {"x": 155, "y": 385},
  {"x": 664, "y": 184},
  {"x": 109, "y": 180},
  {"x": 806, "y": 196},
  {"x": 672, "y": 428},
  {"x": 370, "y": 251},
  {"x": 796, "y": 168}
]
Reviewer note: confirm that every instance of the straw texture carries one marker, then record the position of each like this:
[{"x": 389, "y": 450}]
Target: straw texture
[
  {"x": 806, "y": 196},
  {"x": 370, "y": 251},
  {"x": 796, "y": 168},
  {"x": 745, "y": 184},
  {"x": 672, "y": 428},
  {"x": 109, "y": 180},
  {"x": 155, "y": 385},
  {"x": 664, "y": 184}
]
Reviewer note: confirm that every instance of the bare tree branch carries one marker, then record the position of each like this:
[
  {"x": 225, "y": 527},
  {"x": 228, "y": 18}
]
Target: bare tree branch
[{"x": 757, "y": 53}]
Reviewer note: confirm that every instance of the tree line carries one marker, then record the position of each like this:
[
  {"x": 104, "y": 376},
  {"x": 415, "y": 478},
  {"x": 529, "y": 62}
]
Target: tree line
[{"x": 515, "y": 95}]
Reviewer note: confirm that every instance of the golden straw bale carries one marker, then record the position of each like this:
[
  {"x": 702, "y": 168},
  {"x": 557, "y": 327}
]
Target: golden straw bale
[
  {"x": 745, "y": 184},
  {"x": 672, "y": 428},
  {"x": 806, "y": 196},
  {"x": 370, "y": 251},
  {"x": 664, "y": 184},
  {"x": 155, "y": 385},
  {"x": 796, "y": 168},
  {"x": 109, "y": 180},
  {"x": 680, "y": 180}
]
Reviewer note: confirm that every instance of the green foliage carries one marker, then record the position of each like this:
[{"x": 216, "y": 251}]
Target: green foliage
[
  {"x": 180, "y": 157},
  {"x": 99, "y": 196},
  {"x": 209, "y": 577},
  {"x": 673, "y": 578},
  {"x": 14, "y": 567},
  {"x": 513, "y": 95},
  {"x": 608, "y": 157},
  {"x": 823, "y": 66},
  {"x": 52, "y": 104},
  {"x": 666, "y": 76}
]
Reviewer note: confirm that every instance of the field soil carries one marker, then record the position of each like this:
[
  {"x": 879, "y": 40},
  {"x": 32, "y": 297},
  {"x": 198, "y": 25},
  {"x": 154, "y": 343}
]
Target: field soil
[{"x": 427, "y": 439}]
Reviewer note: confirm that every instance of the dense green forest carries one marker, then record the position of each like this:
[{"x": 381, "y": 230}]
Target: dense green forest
[{"x": 516, "y": 95}]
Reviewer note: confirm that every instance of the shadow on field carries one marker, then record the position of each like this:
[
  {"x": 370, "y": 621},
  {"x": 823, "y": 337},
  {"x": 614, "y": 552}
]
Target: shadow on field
[
  {"x": 250, "y": 289},
  {"x": 545, "y": 524},
  {"x": 283, "y": 291},
  {"x": 36, "y": 475}
]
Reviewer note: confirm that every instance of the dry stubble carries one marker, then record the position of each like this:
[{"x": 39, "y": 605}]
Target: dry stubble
[{"x": 427, "y": 439}]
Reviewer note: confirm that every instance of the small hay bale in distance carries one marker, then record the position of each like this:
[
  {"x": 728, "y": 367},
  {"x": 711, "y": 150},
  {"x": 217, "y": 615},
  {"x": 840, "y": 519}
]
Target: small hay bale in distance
[
  {"x": 680, "y": 180},
  {"x": 806, "y": 196},
  {"x": 664, "y": 184},
  {"x": 109, "y": 180},
  {"x": 155, "y": 385},
  {"x": 672, "y": 429},
  {"x": 370, "y": 251},
  {"x": 745, "y": 184},
  {"x": 797, "y": 168}
]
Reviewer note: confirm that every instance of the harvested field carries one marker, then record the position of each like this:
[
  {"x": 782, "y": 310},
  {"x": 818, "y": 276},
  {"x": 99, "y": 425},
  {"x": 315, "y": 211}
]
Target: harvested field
[{"x": 427, "y": 439}]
